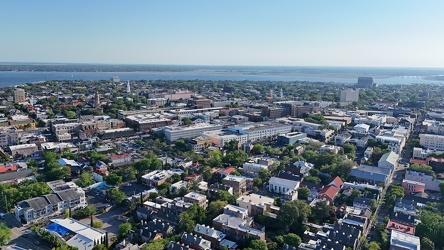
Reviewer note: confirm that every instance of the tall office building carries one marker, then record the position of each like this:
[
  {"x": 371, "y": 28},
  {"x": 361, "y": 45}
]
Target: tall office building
[
  {"x": 19, "y": 95},
  {"x": 366, "y": 82},
  {"x": 349, "y": 95}
]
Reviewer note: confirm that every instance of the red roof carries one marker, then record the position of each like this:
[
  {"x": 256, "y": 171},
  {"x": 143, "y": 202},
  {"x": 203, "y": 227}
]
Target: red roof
[
  {"x": 331, "y": 191},
  {"x": 227, "y": 170},
  {"x": 101, "y": 171},
  {"x": 407, "y": 229},
  {"x": 120, "y": 156},
  {"x": 419, "y": 161},
  {"x": 338, "y": 182},
  {"x": 6, "y": 169}
]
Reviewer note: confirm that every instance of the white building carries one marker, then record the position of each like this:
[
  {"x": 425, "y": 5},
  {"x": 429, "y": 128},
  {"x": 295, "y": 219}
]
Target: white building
[
  {"x": 361, "y": 128},
  {"x": 331, "y": 148},
  {"x": 349, "y": 95},
  {"x": 304, "y": 167},
  {"x": 388, "y": 160},
  {"x": 251, "y": 167},
  {"x": 24, "y": 149},
  {"x": 187, "y": 132},
  {"x": 402, "y": 241},
  {"x": 8, "y": 137},
  {"x": 434, "y": 127},
  {"x": 79, "y": 235},
  {"x": 261, "y": 131},
  {"x": 65, "y": 195},
  {"x": 284, "y": 186},
  {"x": 394, "y": 142},
  {"x": 420, "y": 153},
  {"x": 430, "y": 141}
]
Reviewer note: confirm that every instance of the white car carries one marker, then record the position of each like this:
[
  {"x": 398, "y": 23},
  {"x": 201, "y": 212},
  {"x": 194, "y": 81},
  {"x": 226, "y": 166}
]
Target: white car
[{"x": 128, "y": 185}]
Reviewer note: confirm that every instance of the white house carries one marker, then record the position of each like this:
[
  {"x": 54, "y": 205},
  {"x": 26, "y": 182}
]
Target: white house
[
  {"x": 388, "y": 160},
  {"x": 304, "y": 167}
]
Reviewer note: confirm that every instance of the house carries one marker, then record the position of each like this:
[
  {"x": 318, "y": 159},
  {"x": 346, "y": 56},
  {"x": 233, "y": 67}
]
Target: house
[
  {"x": 157, "y": 226},
  {"x": 430, "y": 182},
  {"x": 404, "y": 206},
  {"x": 329, "y": 192},
  {"x": 75, "y": 233},
  {"x": 177, "y": 246},
  {"x": 371, "y": 174},
  {"x": 195, "y": 242},
  {"x": 121, "y": 160},
  {"x": 364, "y": 203},
  {"x": 196, "y": 198},
  {"x": 257, "y": 204},
  {"x": 217, "y": 238},
  {"x": 342, "y": 138},
  {"x": 368, "y": 152},
  {"x": 330, "y": 148},
  {"x": 177, "y": 186},
  {"x": 403, "y": 241},
  {"x": 17, "y": 176},
  {"x": 400, "y": 227},
  {"x": 155, "y": 178},
  {"x": 283, "y": 186},
  {"x": 238, "y": 183},
  {"x": 388, "y": 160},
  {"x": 413, "y": 186},
  {"x": 99, "y": 174},
  {"x": 215, "y": 187},
  {"x": 227, "y": 171},
  {"x": 402, "y": 218},
  {"x": 304, "y": 167},
  {"x": 236, "y": 224}
]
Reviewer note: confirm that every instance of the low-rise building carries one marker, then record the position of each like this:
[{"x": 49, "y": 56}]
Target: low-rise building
[
  {"x": 411, "y": 187},
  {"x": 65, "y": 196},
  {"x": 329, "y": 192},
  {"x": 403, "y": 241},
  {"x": 388, "y": 160},
  {"x": 371, "y": 174},
  {"x": 24, "y": 149},
  {"x": 196, "y": 198},
  {"x": 75, "y": 233},
  {"x": 155, "y": 178},
  {"x": 283, "y": 186},
  {"x": 431, "y": 183},
  {"x": 290, "y": 138},
  {"x": 257, "y": 204},
  {"x": 121, "y": 160},
  {"x": 238, "y": 183}
]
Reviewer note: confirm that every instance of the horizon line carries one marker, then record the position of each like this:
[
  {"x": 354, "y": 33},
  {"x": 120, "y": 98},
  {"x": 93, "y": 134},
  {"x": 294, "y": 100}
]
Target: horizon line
[{"x": 217, "y": 65}]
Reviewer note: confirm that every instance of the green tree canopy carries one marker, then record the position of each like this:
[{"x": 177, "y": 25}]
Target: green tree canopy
[
  {"x": 292, "y": 239},
  {"x": 117, "y": 195},
  {"x": 5, "y": 234},
  {"x": 113, "y": 179},
  {"x": 124, "y": 228}
]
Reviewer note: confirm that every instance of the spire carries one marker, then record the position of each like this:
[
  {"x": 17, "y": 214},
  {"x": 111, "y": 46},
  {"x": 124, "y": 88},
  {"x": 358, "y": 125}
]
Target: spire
[{"x": 128, "y": 88}]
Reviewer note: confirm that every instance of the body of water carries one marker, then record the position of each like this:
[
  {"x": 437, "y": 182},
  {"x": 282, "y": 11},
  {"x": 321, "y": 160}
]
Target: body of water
[{"x": 12, "y": 78}]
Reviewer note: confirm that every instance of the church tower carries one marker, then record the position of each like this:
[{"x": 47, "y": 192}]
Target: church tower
[
  {"x": 128, "y": 88},
  {"x": 97, "y": 100}
]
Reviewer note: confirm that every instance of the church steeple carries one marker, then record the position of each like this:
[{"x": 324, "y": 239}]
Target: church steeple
[
  {"x": 128, "y": 88},
  {"x": 97, "y": 100}
]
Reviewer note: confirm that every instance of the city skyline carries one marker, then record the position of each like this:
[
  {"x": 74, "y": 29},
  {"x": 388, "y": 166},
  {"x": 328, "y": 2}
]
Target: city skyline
[{"x": 285, "y": 33}]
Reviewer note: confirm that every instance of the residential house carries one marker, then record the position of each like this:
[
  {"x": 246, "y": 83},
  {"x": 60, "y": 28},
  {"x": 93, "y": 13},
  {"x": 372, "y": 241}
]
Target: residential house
[
  {"x": 411, "y": 187},
  {"x": 431, "y": 183},
  {"x": 195, "y": 242},
  {"x": 342, "y": 138},
  {"x": 196, "y": 198},
  {"x": 404, "y": 206},
  {"x": 400, "y": 227},
  {"x": 403, "y": 241},
  {"x": 371, "y": 174},
  {"x": 329, "y": 192},
  {"x": 155, "y": 178},
  {"x": 121, "y": 160},
  {"x": 217, "y": 238},
  {"x": 177, "y": 246},
  {"x": 238, "y": 183},
  {"x": 304, "y": 167},
  {"x": 257, "y": 204},
  {"x": 364, "y": 203},
  {"x": 388, "y": 160},
  {"x": 17, "y": 176}
]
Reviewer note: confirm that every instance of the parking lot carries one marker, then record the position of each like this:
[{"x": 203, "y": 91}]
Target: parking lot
[{"x": 21, "y": 236}]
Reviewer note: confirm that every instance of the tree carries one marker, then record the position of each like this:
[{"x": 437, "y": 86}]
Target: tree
[
  {"x": 124, "y": 228},
  {"x": 150, "y": 163},
  {"x": 292, "y": 239},
  {"x": 427, "y": 244},
  {"x": 56, "y": 171},
  {"x": 97, "y": 224},
  {"x": 215, "y": 158},
  {"x": 441, "y": 188},
  {"x": 215, "y": 208},
  {"x": 226, "y": 196},
  {"x": 5, "y": 234},
  {"x": 232, "y": 145},
  {"x": 85, "y": 180},
  {"x": 303, "y": 193},
  {"x": 186, "y": 121},
  {"x": 236, "y": 158},
  {"x": 258, "y": 245},
  {"x": 99, "y": 247},
  {"x": 113, "y": 179},
  {"x": 175, "y": 178},
  {"x": 373, "y": 246},
  {"x": 117, "y": 195},
  {"x": 265, "y": 175},
  {"x": 128, "y": 174},
  {"x": 393, "y": 192},
  {"x": 154, "y": 245},
  {"x": 257, "y": 182},
  {"x": 349, "y": 150},
  {"x": 257, "y": 149},
  {"x": 288, "y": 214},
  {"x": 422, "y": 168},
  {"x": 85, "y": 212},
  {"x": 321, "y": 212}
]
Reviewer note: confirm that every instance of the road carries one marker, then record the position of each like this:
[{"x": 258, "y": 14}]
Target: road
[{"x": 21, "y": 236}]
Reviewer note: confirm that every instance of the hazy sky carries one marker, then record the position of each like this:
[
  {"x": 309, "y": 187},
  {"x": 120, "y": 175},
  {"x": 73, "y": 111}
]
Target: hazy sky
[{"x": 399, "y": 33}]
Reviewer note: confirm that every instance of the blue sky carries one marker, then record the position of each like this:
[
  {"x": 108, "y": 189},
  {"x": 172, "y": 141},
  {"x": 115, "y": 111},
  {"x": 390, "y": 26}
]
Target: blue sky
[{"x": 398, "y": 33}]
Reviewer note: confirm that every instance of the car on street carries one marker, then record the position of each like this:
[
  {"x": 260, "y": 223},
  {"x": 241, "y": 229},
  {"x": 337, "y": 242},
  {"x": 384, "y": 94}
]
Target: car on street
[{"x": 128, "y": 185}]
